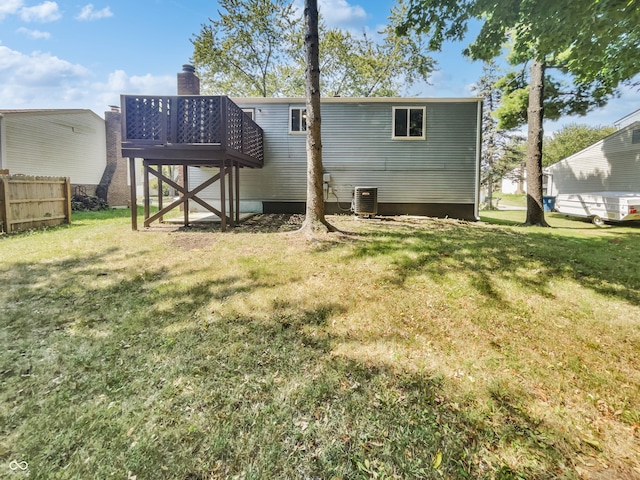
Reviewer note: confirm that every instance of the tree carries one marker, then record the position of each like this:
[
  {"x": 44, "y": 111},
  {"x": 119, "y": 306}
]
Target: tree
[
  {"x": 256, "y": 48},
  {"x": 244, "y": 51},
  {"x": 314, "y": 215},
  {"x": 592, "y": 44},
  {"x": 358, "y": 66},
  {"x": 493, "y": 139},
  {"x": 571, "y": 139}
]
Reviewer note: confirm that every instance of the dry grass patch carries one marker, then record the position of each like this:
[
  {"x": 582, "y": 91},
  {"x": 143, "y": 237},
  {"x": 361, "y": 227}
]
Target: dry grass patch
[{"x": 404, "y": 349}]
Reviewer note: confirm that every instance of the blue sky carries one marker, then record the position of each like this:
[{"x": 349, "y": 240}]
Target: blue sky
[{"x": 72, "y": 54}]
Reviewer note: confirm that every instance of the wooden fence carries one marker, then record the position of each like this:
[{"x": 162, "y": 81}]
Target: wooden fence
[{"x": 32, "y": 202}]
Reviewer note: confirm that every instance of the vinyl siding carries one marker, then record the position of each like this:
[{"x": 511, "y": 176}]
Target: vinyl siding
[
  {"x": 67, "y": 144},
  {"x": 358, "y": 151},
  {"x": 612, "y": 164}
]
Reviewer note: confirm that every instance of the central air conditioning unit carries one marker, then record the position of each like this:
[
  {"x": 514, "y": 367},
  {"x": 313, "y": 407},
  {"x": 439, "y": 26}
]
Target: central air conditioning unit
[{"x": 365, "y": 202}]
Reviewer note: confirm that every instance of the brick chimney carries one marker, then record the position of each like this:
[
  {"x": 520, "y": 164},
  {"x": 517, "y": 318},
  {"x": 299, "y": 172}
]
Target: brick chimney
[{"x": 188, "y": 81}]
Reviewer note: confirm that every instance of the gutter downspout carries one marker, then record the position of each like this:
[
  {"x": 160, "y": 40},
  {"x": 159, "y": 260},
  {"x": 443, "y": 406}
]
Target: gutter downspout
[{"x": 476, "y": 209}]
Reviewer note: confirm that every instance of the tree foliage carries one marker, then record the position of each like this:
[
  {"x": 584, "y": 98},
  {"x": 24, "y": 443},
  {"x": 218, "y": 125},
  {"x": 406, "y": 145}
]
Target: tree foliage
[
  {"x": 256, "y": 48},
  {"x": 494, "y": 139},
  {"x": 243, "y": 51},
  {"x": 571, "y": 139},
  {"x": 590, "y": 46}
]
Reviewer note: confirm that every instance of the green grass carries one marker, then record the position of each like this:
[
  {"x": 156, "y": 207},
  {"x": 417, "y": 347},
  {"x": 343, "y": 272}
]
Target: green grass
[{"x": 406, "y": 349}]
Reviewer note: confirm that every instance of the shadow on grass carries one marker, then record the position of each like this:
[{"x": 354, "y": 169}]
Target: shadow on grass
[
  {"x": 607, "y": 264},
  {"x": 137, "y": 374}
]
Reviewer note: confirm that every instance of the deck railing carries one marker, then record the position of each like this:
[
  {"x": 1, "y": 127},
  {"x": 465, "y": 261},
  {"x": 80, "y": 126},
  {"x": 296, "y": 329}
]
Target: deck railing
[{"x": 190, "y": 120}]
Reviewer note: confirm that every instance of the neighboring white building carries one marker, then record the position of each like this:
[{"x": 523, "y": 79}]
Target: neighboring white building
[
  {"x": 57, "y": 143},
  {"x": 611, "y": 164},
  {"x": 627, "y": 120},
  {"x": 514, "y": 181}
]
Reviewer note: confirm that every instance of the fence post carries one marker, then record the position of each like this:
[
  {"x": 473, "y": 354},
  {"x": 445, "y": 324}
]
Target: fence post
[
  {"x": 5, "y": 212},
  {"x": 67, "y": 201},
  {"x": 4, "y": 201}
]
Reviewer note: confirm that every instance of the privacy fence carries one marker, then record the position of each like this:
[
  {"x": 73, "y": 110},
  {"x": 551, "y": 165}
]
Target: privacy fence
[{"x": 32, "y": 202}]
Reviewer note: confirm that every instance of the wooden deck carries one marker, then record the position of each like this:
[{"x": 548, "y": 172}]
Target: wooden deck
[{"x": 190, "y": 131}]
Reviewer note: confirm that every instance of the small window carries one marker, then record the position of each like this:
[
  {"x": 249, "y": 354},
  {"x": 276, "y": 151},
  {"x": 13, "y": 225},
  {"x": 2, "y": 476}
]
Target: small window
[
  {"x": 409, "y": 123},
  {"x": 298, "y": 120},
  {"x": 635, "y": 136},
  {"x": 250, "y": 112}
]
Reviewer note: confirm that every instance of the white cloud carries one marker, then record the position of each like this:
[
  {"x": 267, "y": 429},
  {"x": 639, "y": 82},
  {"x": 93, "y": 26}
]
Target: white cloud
[
  {"x": 10, "y": 7},
  {"x": 338, "y": 13},
  {"x": 36, "y": 80},
  {"x": 88, "y": 13},
  {"x": 41, "y": 80},
  {"x": 119, "y": 82},
  {"x": 45, "y": 12},
  {"x": 341, "y": 13},
  {"x": 36, "y": 34}
]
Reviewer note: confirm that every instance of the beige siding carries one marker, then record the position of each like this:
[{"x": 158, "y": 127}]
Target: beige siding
[
  {"x": 68, "y": 144},
  {"x": 612, "y": 164}
]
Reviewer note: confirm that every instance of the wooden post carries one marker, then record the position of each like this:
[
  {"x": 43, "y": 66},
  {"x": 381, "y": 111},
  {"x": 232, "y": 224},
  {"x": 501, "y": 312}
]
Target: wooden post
[
  {"x": 5, "y": 213},
  {"x": 185, "y": 179},
  {"x": 223, "y": 200},
  {"x": 232, "y": 216},
  {"x": 133, "y": 202},
  {"x": 160, "y": 192},
  {"x": 67, "y": 202},
  {"x": 237, "y": 175},
  {"x": 145, "y": 187}
]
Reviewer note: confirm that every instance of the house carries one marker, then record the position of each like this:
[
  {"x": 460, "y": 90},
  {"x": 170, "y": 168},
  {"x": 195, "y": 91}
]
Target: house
[
  {"x": 611, "y": 164},
  {"x": 627, "y": 119},
  {"x": 422, "y": 155},
  {"x": 66, "y": 143},
  {"x": 514, "y": 181}
]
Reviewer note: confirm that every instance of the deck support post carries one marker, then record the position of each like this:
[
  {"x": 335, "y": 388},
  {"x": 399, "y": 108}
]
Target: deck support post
[
  {"x": 185, "y": 180},
  {"x": 145, "y": 179},
  {"x": 237, "y": 178},
  {"x": 132, "y": 192},
  {"x": 223, "y": 200}
]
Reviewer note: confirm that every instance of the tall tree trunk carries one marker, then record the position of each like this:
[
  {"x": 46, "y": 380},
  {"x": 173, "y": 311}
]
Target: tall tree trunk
[
  {"x": 314, "y": 216},
  {"x": 535, "y": 116}
]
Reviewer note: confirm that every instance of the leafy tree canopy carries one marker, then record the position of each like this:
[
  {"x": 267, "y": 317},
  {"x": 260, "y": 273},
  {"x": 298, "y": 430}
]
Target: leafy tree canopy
[
  {"x": 571, "y": 139},
  {"x": 592, "y": 44},
  {"x": 256, "y": 48}
]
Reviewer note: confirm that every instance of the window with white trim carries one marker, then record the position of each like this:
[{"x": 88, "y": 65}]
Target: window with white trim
[
  {"x": 297, "y": 120},
  {"x": 409, "y": 123},
  {"x": 251, "y": 112}
]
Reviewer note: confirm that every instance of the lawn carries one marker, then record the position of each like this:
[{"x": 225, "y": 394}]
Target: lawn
[{"x": 407, "y": 348}]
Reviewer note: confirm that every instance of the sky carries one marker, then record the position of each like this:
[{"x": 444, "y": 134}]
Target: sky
[{"x": 72, "y": 54}]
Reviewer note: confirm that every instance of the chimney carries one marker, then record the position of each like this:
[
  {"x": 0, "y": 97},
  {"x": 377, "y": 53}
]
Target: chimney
[{"x": 188, "y": 81}]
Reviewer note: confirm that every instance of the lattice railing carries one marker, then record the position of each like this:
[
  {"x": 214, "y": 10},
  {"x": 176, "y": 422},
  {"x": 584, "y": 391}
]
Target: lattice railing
[
  {"x": 193, "y": 120},
  {"x": 148, "y": 119},
  {"x": 199, "y": 120}
]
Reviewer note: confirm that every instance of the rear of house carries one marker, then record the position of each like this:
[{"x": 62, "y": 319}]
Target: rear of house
[
  {"x": 60, "y": 143},
  {"x": 421, "y": 154}
]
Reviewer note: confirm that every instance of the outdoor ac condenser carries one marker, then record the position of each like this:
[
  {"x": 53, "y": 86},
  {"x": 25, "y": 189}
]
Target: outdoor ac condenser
[{"x": 365, "y": 201}]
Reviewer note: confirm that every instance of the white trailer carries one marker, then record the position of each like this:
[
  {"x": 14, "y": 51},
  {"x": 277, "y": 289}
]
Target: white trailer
[{"x": 600, "y": 206}]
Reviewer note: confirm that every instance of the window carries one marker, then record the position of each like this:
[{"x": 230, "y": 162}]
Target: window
[
  {"x": 298, "y": 120},
  {"x": 250, "y": 112},
  {"x": 409, "y": 123},
  {"x": 635, "y": 136}
]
